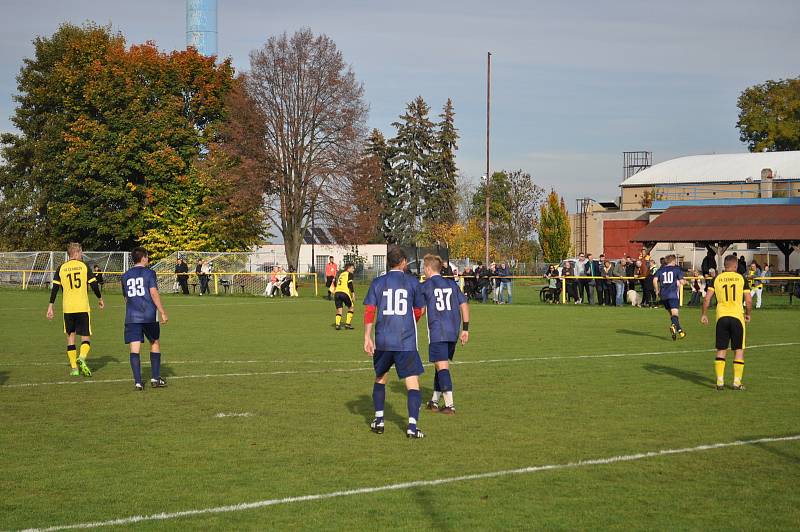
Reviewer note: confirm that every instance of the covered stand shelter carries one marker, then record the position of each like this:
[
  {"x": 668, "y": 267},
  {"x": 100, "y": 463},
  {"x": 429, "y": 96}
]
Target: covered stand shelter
[{"x": 717, "y": 227}]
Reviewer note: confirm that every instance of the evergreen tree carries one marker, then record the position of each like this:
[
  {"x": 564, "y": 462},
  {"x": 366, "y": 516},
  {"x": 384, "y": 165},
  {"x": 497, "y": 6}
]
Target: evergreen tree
[
  {"x": 554, "y": 230},
  {"x": 442, "y": 196},
  {"x": 412, "y": 160}
]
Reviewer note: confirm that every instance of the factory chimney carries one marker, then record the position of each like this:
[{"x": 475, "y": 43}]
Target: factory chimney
[{"x": 201, "y": 26}]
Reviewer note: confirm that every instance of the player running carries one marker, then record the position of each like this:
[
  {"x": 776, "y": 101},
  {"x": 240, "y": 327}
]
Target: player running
[
  {"x": 670, "y": 278},
  {"x": 394, "y": 304},
  {"x": 142, "y": 309},
  {"x": 730, "y": 288},
  {"x": 448, "y": 321},
  {"x": 75, "y": 278},
  {"x": 344, "y": 295}
]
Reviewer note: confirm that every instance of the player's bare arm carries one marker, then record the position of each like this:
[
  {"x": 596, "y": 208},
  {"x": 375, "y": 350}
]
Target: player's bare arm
[
  {"x": 369, "y": 344},
  {"x": 464, "y": 323},
  {"x": 748, "y": 306},
  {"x": 706, "y": 304},
  {"x": 157, "y": 302}
]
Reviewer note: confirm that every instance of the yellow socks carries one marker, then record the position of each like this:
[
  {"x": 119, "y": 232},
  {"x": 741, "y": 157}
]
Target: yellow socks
[
  {"x": 738, "y": 371},
  {"x": 338, "y": 319},
  {"x": 719, "y": 369},
  {"x": 85, "y": 348},
  {"x": 73, "y": 356},
  {"x": 349, "y": 317}
]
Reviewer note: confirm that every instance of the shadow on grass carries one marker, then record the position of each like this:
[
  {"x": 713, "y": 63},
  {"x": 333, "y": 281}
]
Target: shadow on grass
[
  {"x": 3, "y": 377},
  {"x": 429, "y": 503},
  {"x": 690, "y": 376},
  {"x": 773, "y": 448},
  {"x": 96, "y": 364},
  {"x": 643, "y": 333},
  {"x": 364, "y": 407}
]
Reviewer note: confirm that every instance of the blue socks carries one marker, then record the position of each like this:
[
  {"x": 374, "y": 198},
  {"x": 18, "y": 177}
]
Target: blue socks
[
  {"x": 136, "y": 366},
  {"x": 414, "y": 402},
  {"x": 155, "y": 365},
  {"x": 379, "y": 399},
  {"x": 436, "y": 385},
  {"x": 675, "y": 322},
  {"x": 444, "y": 381}
]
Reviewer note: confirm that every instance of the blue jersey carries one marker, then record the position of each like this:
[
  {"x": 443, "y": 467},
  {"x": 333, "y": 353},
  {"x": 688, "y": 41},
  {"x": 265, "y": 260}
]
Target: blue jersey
[
  {"x": 668, "y": 277},
  {"x": 136, "y": 285},
  {"x": 443, "y": 298},
  {"x": 395, "y": 295}
]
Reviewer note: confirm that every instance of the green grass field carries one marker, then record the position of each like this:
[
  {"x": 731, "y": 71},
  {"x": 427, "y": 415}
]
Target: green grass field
[{"x": 534, "y": 387}]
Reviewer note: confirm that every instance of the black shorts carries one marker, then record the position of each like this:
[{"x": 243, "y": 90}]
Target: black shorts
[
  {"x": 79, "y": 323},
  {"x": 730, "y": 331},
  {"x": 329, "y": 281},
  {"x": 341, "y": 299}
]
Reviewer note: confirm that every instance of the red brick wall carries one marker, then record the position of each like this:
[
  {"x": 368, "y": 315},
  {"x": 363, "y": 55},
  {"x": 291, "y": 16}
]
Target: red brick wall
[{"x": 617, "y": 235}]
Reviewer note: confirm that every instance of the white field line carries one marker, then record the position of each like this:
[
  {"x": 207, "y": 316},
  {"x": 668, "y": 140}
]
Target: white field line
[
  {"x": 233, "y": 414},
  {"x": 368, "y": 368},
  {"x": 415, "y": 484}
]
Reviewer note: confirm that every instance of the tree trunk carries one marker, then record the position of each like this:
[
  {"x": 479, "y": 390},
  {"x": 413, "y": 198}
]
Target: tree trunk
[{"x": 292, "y": 240}]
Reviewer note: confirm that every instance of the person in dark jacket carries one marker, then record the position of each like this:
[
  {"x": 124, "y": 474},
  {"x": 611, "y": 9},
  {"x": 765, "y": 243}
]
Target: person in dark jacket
[
  {"x": 447, "y": 270},
  {"x": 741, "y": 266},
  {"x": 182, "y": 274},
  {"x": 593, "y": 270},
  {"x": 709, "y": 263}
]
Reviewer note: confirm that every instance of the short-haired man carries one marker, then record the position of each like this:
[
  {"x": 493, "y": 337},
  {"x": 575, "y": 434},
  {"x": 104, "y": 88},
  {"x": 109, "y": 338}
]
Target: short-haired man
[
  {"x": 448, "y": 321},
  {"x": 330, "y": 276},
  {"x": 670, "y": 278},
  {"x": 75, "y": 278},
  {"x": 142, "y": 310},
  {"x": 394, "y": 304},
  {"x": 731, "y": 290},
  {"x": 344, "y": 296}
]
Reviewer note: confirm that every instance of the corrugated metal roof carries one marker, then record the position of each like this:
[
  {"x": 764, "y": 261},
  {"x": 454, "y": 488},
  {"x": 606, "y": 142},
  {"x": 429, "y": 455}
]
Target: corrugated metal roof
[
  {"x": 739, "y": 223},
  {"x": 724, "y": 167}
]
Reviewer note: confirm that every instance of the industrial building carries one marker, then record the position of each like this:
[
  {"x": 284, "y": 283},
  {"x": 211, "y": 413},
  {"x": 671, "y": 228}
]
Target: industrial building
[{"x": 698, "y": 181}]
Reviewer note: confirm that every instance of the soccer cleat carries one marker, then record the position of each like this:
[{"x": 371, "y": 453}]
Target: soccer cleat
[
  {"x": 75, "y": 373},
  {"x": 84, "y": 368},
  {"x": 377, "y": 426},
  {"x": 432, "y": 405},
  {"x": 739, "y": 387},
  {"x": 720, "y": 387},
  {"x": 138, "y": 387},
  {"x": 448, "y": 410},
  {"x": 337, "y": 327},
  {"x": 414, "y": 434},
  {"x": 681, "y": 334},
  {"x": 674, "y": 332},
  {"x": 158, "y": 383},
  {"x": 348, "y": 326}
]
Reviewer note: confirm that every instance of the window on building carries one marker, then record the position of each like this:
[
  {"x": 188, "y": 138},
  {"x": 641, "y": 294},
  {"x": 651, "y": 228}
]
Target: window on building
[
  {"x": 319, "y": 263},
  {"x": 379, "y": 263}
]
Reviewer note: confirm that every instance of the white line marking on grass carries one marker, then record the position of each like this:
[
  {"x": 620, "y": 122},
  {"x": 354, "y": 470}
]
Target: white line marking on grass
[
  {"x": 368, "y": 368},
  {"x": 233, "y": 414},
  {"x": 415, "y": 484}
]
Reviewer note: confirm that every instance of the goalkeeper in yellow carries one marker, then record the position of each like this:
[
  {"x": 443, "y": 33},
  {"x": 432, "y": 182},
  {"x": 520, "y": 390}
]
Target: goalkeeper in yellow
[
  {"x": 75, "y": 278},
  {"x": 344, "y": 295},
  {"x": 731, "y": 290}
]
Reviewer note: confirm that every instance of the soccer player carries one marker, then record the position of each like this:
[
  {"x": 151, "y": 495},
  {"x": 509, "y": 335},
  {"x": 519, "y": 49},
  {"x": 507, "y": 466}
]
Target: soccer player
[
  {"x": 330, "y": 276},
  {"x": 142, "y": 310},
  {"x": 75, "y": 278},
  {"x": 394, "y": 305},
  {"x": 448, "y": 321},
  {"x": 344, "y": 295},
  {"x": 731, "y": 289},
  {"x": 670, "y": 278}
]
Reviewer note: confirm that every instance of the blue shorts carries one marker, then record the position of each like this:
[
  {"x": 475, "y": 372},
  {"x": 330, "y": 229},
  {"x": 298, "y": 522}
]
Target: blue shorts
[
  {"x": 406, "y": 363},
  {"x": 671, "y": 303},
  {"x": 441, "y": 351},
  {"x": 136, "y": 332}
]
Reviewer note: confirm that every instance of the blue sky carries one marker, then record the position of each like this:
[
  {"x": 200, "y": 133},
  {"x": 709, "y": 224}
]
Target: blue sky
[{"x": 575, "y": 83}]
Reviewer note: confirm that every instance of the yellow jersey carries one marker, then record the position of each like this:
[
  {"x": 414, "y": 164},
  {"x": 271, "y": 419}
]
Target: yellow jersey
[
  {"x": 730, "y": 287},
  {"x": 74, "y": 278},
  {"x": 344, "y": 284}
]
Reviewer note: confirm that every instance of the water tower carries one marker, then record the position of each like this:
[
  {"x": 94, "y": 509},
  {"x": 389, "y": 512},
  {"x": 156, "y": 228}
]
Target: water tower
[{"x": 201, "y": 26}]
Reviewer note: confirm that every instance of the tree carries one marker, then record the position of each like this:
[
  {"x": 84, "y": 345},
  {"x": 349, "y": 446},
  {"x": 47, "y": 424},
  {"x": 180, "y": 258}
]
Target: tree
[
  {"x": 554, "y": 230},
  {"x": 117, "y": 147},
  {"x": 769, "y": 116},
  {"x": 524, "y": 199},
  {"x": 442, "y": 197},
  {"x": 314, "y": 117},
  {"x": 412, "y": 161}
]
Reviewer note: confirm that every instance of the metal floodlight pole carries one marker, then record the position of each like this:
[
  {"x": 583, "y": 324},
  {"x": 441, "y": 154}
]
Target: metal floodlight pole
[
  {"x": 313, "y": 237},
  {"x": 488, "y": 117}
]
